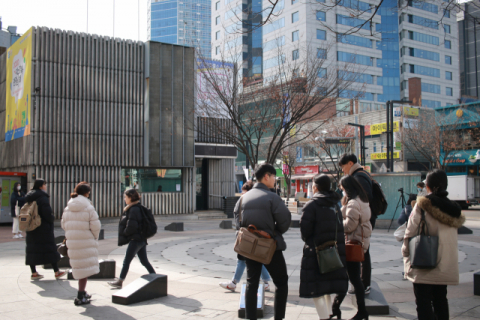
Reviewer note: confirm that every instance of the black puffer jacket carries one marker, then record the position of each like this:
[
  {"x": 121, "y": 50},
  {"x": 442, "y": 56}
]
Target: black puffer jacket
[
  {"x": 41, "y": 246},
  {"x": 130, "y": 225},
  {"x": 317, "y": 226},
  {"x": 14, "y": 198}
]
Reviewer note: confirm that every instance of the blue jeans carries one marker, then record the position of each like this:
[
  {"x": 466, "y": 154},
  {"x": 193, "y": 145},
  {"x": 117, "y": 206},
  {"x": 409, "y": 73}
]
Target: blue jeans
[
  {"x": 135, "y": 248},
  {"x": 241, "y": 268}
]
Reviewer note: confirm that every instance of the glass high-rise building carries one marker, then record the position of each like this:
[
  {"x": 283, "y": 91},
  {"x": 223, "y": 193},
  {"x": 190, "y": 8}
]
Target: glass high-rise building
[
  {"x": 185, "y": 22},
  {"x": 411, "y": 40}
]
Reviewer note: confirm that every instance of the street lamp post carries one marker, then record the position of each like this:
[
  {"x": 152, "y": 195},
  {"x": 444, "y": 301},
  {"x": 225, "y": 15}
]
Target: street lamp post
[
  {"x": 362, "y": 141},
  {"x": 390, "y": 143}
]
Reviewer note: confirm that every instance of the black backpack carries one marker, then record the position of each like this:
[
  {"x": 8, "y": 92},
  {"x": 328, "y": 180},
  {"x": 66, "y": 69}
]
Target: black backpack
[
  {"x": 149, "y": 226},
  {"x": 379, "y": 203}
]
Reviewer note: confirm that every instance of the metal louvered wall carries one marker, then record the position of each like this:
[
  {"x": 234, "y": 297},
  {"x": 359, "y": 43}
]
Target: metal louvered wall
[
  {"x": 88, "y": 120},
  {"x": 221, "y": 181}
]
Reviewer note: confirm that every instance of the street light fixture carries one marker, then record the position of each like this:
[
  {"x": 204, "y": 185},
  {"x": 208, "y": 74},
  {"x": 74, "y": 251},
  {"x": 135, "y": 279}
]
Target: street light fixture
[{"x": 362, "y": 141}]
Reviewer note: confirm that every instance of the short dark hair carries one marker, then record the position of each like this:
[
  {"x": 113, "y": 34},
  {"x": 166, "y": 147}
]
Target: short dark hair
[
  {"x": 38, "y": 184},
  {"x": 437, "y": 182},
  {"x": 421, "y": 185},
  {"x": 353, "y": 189},
  {"x": 411, "y": 197},
  {"x": 132, "y": 194},
  {"x": 322, "y": 182},
  {"x": 263, "y": 169},
  {"x": 247, "y": 186},
  {"x": 15, "y": 186},
  {"x": 346, "y": 158},
  {"x": 82, "y": 189}
]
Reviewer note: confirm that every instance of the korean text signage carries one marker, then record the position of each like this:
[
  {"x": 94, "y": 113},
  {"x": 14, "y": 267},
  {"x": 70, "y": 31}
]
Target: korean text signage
[
  {"x": 408, "y": 111},
  {"x": 19, "y": 100},
  {"x": 306, "y": 169},
  {"x": 380, "y": 128},
  {"x": 383, "y": 155}
]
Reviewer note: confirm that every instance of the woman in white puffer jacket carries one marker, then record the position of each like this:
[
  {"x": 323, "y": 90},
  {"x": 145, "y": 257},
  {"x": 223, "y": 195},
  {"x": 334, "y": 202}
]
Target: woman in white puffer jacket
[{"x": 82, "y": 228}]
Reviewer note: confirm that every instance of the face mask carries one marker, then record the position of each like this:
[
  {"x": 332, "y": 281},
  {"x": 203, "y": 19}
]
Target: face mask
[
  {"x": 419, "y": 189},
  {"x": 19, "y": 188},
  {"x": 344, "y": 193}
]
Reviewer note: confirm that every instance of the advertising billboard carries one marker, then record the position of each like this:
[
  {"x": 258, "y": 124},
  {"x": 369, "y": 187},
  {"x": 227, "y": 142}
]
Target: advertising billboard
[{"x": 19, "y": 99}]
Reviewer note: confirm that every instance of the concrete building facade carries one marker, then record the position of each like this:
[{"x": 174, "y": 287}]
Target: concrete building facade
[{"x": 116, "y": 113}]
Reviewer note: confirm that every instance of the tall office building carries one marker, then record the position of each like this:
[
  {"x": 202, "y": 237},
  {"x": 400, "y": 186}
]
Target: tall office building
[
  {"x": 185, "y": 22},
  {"x": 416, "y": 39},
  {"x": 469, "y": 45}
]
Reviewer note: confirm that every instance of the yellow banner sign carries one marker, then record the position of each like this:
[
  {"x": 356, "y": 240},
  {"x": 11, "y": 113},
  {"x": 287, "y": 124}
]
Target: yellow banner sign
[
  {"x": 380, "y": 128},
  {"x": 383, "y": 155},
  {"x": 408, "y": 111},
  {"x": 19, "y": 83}
]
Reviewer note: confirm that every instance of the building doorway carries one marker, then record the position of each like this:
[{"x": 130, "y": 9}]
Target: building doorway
[{"x": 201, "y": 186}]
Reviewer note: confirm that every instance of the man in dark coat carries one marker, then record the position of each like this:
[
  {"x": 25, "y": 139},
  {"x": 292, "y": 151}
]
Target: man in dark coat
[
  {"x": 41, "y": 247},
  {"x": 266, "y": 211},
  {"x": 350, "y": 166}
]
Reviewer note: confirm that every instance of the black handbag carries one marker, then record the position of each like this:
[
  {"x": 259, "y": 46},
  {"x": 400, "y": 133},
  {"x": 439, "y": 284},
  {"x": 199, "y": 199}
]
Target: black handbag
[
  {"x": 62, "y": 248},
  {"x": 327, "y": 253},
  {"x": 423, "y": 247}
]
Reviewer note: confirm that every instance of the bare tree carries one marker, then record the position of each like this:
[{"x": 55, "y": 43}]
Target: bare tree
[
  {"x": 288, "y": 163},
  {"x": 258, "y": 116},
  {"x": 328, "y": 153},
  {"x": 434, "y": 137}
]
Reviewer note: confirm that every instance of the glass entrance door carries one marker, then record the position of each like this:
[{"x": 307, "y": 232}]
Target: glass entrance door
[{"x": 201, "y": 183}]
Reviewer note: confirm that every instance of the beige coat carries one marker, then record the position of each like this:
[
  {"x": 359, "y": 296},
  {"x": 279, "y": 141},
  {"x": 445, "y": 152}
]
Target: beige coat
[
  {"x": 445, "y": 227},
  {"x": 82, "y": 227},
  {"x": 353, "y": 213}
]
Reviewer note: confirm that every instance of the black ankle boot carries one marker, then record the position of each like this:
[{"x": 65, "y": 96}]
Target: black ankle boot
[
  {"x": 361, "y": 315},
  {"x": 336, "y": 309}
]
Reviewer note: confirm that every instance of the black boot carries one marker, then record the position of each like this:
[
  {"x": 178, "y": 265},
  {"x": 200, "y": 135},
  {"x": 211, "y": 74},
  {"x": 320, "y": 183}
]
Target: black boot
[{"x": 336, "y": 309}]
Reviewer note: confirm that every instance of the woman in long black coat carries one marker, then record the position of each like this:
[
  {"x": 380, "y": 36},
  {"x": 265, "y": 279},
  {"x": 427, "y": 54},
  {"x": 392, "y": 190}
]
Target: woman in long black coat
[
  {"x": 41, "y": 246},
  {"x": 17, "y": 199},
  {"x": 320, "y": 219}
]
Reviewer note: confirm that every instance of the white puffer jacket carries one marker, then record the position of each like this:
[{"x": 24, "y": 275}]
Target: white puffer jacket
[{"x": 82, "y": 227}]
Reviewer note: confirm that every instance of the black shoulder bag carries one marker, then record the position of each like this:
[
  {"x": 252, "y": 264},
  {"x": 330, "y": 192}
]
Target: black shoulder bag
[{"x": 423, "y": 247}]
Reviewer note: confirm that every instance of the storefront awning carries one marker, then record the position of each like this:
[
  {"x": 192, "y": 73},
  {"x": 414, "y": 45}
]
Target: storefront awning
[{"x": 303, "y": 176}]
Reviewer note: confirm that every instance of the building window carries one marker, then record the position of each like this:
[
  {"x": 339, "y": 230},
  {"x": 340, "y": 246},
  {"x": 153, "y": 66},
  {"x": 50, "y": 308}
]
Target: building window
[
  {"x": 152, "y": 180},
  {"x": 446, "y": 27},
  {"x": 217, "y": 50},
  {"x": 352, "y": 22},
  {"x": 321, "y": 53},
  {"x": 217, "y": 5},
  {"x": 295, "y": 36},
  {"x": 426, "y": 71},
  {"x": 431, "y": 88},
  {"x": 322, "y": 72},
  {"x": 217, "y": 20},
  {"x": 354, "y": 58},
  {"x": 295, "y": 54},
  {"x": 322, "y": 16},
  {"x": 429, "y": 23},
  {"x": 355, "y": 40},
  {"x": 449, "y": 91},
  {"x": 448, "y": 44},
  {"x": 321, "y": 34},
  {"x": 295, "y": 16},
  {"x": 217, "y": 35},
  {"x": 423, "y": 6},
  {"x": 448, "y": 75},
  {"x": 446, "y": 13},
  {"x": 294, "y": 2},
  {"x": 448, "y": 60},
  {"x": 417, "y": 36}
]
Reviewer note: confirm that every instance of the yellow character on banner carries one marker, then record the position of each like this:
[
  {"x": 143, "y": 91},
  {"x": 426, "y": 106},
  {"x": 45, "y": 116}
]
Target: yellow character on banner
[{"x": 19, "y": 83}]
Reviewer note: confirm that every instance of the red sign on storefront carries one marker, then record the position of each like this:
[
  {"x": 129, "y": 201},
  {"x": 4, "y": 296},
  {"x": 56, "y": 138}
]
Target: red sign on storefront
[{"x": 306, "y": 170}]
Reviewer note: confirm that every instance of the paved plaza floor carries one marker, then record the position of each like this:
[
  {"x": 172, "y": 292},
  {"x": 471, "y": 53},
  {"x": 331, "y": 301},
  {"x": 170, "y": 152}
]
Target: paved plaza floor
[{"x": 195, "y": 261}]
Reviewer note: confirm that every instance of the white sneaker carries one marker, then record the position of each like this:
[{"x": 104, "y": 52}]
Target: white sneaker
[
  {"x": 15, "y": 236},
  {"x": 267, "y": 286},
  {"x": 228, "y": 285},
  {"x": 19, "y": 235}
]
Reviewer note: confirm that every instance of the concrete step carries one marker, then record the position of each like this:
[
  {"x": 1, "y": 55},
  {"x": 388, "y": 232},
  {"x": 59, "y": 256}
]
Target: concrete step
[
  {"x": 211, "y": 214},
  {"x": 375, "y": 301}
]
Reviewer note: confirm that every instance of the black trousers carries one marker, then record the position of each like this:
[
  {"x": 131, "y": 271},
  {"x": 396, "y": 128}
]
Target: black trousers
[
  {"x": 33, "y": 268},
  {"x": 278, "y": 271},
  {"x": 431, "y": 300},
  {"x": 367, "y": 263},
  {"x": 353, "y": 270}
]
